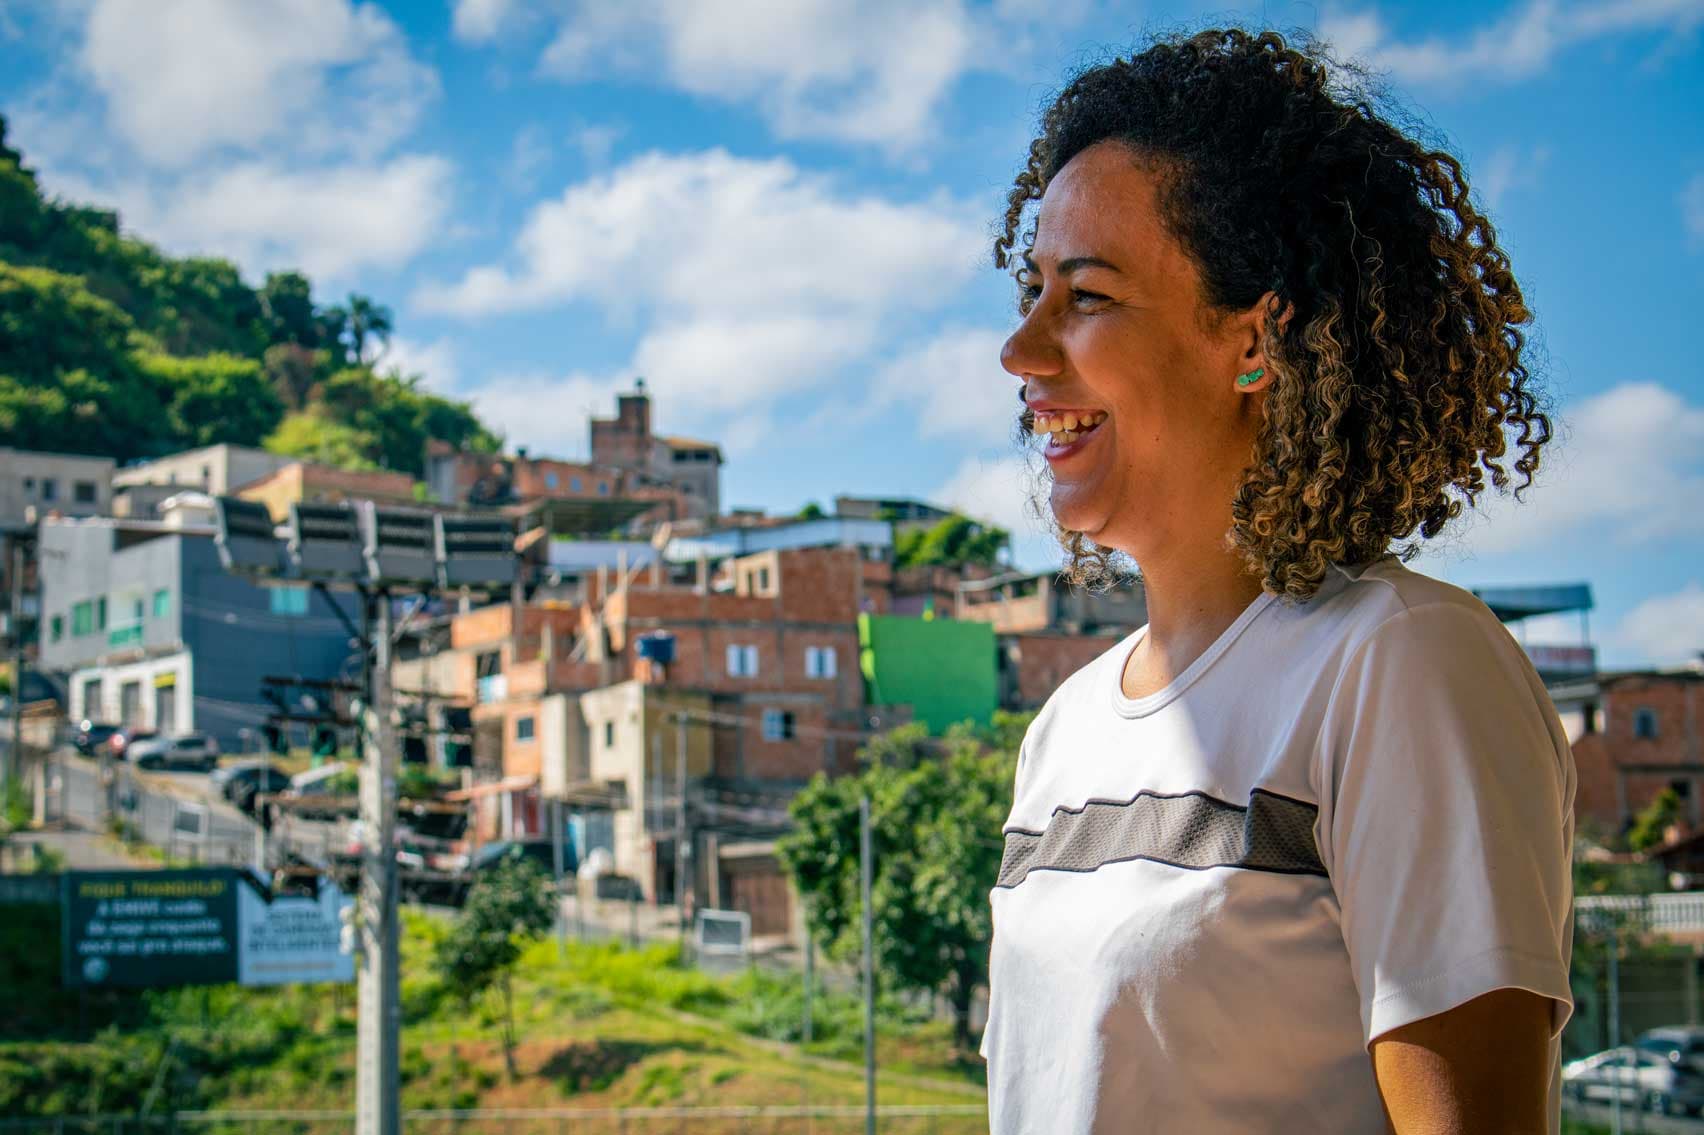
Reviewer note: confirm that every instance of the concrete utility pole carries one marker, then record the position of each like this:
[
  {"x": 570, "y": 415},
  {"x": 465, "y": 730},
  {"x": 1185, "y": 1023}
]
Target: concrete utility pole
[
  {"x": 865, "y": 866},
  {"x": 379, "y": 1023},
  {"x": 556, "y": 834},
  {"x": 14, "y": 764},
  {"x": 682, "y": 852}
]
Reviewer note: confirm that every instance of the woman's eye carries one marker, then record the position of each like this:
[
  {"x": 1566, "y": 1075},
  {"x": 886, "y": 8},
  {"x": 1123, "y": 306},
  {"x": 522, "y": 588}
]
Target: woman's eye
[{"x": 1086, "y": 299}]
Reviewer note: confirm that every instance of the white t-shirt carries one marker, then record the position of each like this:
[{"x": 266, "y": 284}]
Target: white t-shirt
[{"x": 1345, "y": 816}]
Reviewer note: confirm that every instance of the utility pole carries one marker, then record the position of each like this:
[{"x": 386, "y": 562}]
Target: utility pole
[
  {"x": 556, "y": 874},
  {"x": 864, "y": 873},
  {"x": 682, "y": 853},
  {"x": 379, "y": 1022},
  {"x": 14, "y": 765},
  {"x": 1615, "y": 1015}
]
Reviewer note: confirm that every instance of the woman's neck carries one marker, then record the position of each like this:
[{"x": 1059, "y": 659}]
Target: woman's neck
[{"x": 1192, "y": 596}]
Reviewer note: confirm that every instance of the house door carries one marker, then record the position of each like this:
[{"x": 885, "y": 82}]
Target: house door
[
  {"x": 165, "y": 709},
  {"x": 130, "y": 704}
]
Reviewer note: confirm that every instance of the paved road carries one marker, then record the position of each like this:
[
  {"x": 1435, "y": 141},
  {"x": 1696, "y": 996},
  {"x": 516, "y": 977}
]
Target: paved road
[
  {"x": 1634, "y": 1121},
  {"x": 173, "y": 811}
]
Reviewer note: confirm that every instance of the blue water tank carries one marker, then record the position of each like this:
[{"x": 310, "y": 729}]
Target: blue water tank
[{"x": 658, "y": 646}]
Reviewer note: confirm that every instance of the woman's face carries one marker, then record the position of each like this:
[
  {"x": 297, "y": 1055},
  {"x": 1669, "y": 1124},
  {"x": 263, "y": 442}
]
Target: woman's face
[{"x": 1118, "y": 328}]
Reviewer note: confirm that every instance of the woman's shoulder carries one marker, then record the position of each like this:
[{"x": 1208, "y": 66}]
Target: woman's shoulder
[{"x": 1367, "y": 601}]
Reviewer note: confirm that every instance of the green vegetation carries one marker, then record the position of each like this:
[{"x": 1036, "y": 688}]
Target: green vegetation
[
  {"x": 954, "y": 541},
  {"x": 1650, "y": 825},
  {"x": 936, "y": 810},
  {"x": 109, "y": 346},
  {"x": 601, "y": 1026},
  {"x": 508, "y": 907}
]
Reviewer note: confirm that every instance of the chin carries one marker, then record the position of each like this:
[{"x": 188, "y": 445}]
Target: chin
[{"x": 1079, "y": 516}]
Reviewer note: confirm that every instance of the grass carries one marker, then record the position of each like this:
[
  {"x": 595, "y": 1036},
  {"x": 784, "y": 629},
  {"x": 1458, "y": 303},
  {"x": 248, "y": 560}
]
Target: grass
[{"x": 601, "y": 1026}]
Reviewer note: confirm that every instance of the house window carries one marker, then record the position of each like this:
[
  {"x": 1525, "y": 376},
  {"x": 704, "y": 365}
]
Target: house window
[
  {"x": 287, "y": 600},
  {"x": 819, "y": 662},
  {"x": 550, "y": 481},
  {"x": 609, "y": 734},
  {"x": 777, "y": 725},
  {"x": 49, "y": 489},
  {"x": 1645, "y": 723},
  {"x": 1588, "y": 715},
  {"x": 603, "y": 488},
  {"x": 162, "y": 603},
  {"x": 523, "y": 728},
  {"x": 83, "y": 492},
  {"x": 574, "y": 484},
  {"x": 100, "y": 613},
  {"x": 56, "y": 628},
  {"x": 82, "y": 618},
  {"x": 742, "y": 661},
  {"x": 763, "y": 579},
  {"x": 29, "y": 484}
]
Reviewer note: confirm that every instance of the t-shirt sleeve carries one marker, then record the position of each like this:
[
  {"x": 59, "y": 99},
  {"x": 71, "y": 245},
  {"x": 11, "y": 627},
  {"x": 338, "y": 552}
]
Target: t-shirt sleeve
[{"x": 1446, "y": 819}]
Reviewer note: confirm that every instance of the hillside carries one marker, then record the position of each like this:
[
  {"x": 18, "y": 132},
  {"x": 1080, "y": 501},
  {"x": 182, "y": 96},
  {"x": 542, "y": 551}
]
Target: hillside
[
  {"x": 605, "y": 1026},
  {"x": 109, "y": 346}
]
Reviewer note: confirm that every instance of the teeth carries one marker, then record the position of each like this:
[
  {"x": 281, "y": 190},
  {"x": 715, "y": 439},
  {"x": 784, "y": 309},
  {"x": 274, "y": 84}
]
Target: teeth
[{"x": 1067, "y": 427}]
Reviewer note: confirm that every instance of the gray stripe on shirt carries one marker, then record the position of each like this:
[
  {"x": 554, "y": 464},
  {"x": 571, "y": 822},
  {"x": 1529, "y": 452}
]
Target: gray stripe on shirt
[{"x": 1194, "y": 830}]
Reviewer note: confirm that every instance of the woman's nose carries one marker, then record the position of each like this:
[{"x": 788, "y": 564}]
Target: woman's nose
[{"x": 1029, "y": 351}]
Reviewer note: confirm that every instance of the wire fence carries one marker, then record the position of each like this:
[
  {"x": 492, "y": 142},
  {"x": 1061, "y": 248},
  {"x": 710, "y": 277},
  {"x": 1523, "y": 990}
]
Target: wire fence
[{"x": 950, "y": 1119}]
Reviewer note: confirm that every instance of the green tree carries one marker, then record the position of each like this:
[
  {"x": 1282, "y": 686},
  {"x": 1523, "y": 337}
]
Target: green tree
[
  {"x": 1651, "y": 824},
  {"x": 368, "y": 320},
  {"x": 936, "y": 812},
  {"x": 286, "y": 302},
  {"x": 515, "y": 901},
  {"x": 309, "y": 435},
  {"x": 953, "y": 541},
  {"x": 215, "y": 398},
  {"x": 811, "y": 511},
  {"x": 291, "y": 370}
]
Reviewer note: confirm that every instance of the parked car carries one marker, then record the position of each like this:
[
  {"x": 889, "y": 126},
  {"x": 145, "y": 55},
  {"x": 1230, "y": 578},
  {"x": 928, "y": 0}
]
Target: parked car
[
  {"x": 187, "y": 751},
  {"x": 447, "y": 879},
  {"x": 125, "y": 736},
  {"x": 1678, "y": 1044},
  {"x": 241, "y": 781},
  {"x": 1637, "y": 1077},
  {"x": 91, "y": 735}
]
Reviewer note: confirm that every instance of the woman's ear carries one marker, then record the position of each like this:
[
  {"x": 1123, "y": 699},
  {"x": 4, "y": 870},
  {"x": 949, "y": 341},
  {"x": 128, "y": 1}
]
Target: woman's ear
[{"x": 1254, "y": 374}]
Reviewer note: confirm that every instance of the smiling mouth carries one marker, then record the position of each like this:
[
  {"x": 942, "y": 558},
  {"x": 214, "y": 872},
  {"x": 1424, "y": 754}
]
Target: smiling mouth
[{"x": 1067, "y": 428}]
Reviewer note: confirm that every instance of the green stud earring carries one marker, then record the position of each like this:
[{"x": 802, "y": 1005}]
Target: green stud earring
[{"x": 1251, "y": 377}]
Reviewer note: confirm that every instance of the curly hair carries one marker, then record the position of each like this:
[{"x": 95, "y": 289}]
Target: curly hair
[{"x": 1398, "y": 378}]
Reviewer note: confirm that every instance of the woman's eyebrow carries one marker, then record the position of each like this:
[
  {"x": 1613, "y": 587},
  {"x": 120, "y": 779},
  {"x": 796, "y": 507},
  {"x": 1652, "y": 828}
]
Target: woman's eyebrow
[{"x": 1074, "y": 264}]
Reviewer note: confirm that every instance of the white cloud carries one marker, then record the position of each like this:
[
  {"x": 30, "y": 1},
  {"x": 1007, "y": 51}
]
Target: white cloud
[
  {"x": 865, "y": 72},
  {"x": 1510, "y": 168},
  {"x": 547, "y": 414},
  {"x": 481, "y": 21},
  {"x": 262, "y": 131},
  {"x": 712, "y": 232},
  {"x": 956, "y": 386},
  {"x": 750, "y": 282},
  {"x": 1692, "y": 208},
  {"x": 1667, "y": 630},
  {"x": 435, "y": 363},
  {"x": 1628, "y": 468},
  {"x": 328, "y": 221},
  {"x": 1005, "y": 490},
  {"x": 185, "y": 78},
  {"x": 1517, "y": 46}
]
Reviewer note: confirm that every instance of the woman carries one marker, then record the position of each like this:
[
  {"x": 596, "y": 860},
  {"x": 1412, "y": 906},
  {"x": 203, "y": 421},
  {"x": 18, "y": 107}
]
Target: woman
[{"x": 1294, "y": 857}]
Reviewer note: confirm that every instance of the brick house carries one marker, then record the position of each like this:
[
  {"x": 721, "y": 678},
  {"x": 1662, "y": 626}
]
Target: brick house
[{"x": 1634, "y": 734}]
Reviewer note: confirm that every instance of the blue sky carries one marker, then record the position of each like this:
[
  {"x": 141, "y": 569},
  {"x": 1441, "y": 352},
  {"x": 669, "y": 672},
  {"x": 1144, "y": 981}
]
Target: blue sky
[{"x": 779, "y": 215}]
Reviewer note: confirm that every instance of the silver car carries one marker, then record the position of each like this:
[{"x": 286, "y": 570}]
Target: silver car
[
  {"x": 196, "y": 751},
  {"x": 1644, "y": 1079}
]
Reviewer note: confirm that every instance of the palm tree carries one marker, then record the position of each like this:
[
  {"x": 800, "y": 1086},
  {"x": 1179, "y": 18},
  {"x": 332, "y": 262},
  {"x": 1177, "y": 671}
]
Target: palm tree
[{"x": 368, "y": 319}]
